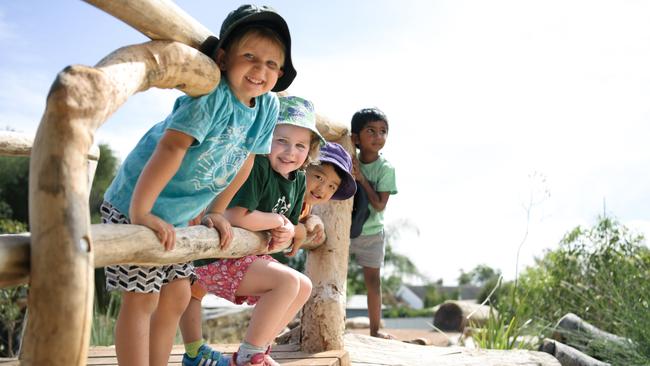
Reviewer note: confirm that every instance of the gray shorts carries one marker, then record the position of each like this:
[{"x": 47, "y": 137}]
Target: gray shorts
[
  {"x": 369, "y": 250},
  {"x": 141, "y": 279}
]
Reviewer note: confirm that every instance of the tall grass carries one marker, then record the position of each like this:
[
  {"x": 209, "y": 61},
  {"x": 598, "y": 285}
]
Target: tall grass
[
  {"x": 101, "y": 333},
  {"x": 501, "y": 332}
]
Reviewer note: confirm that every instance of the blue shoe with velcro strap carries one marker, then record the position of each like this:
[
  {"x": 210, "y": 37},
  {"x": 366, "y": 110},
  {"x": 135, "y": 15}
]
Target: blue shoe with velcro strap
[{"x": 206, "y": 357}]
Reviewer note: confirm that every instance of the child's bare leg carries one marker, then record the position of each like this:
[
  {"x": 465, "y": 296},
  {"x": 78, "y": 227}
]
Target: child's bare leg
[
  {"x": 297, "y": 304},
  {"x": 190, "y": 323},
  {"x": 372, "y": 279},
  {"x": 173, "y": 300},
  {"x": 277, "y": 285},
  {"x": 132, "y": 328}
]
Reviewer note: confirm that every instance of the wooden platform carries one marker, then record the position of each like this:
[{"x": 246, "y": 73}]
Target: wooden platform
[{"x": 284, "y": 354}]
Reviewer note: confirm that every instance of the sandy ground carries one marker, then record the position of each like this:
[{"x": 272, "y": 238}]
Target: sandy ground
[{"x": 407, "y": 335}]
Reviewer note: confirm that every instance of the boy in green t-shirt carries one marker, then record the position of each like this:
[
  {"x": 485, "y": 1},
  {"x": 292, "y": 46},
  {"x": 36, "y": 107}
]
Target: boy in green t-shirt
[{"x": 376, "y": 176}]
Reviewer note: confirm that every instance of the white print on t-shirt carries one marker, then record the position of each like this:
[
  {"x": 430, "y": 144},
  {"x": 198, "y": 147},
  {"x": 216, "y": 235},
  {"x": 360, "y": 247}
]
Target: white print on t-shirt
[
  {"x": 228, "y": 148},
  {"x": 281, "y": 207}
]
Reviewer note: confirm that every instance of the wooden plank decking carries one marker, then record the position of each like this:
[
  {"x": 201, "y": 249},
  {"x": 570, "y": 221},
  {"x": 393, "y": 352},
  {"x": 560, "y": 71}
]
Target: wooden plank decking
[{"x": 284, "y": 354}]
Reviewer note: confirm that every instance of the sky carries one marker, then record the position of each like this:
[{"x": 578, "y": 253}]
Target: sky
[{"x": 511, "y": 121}]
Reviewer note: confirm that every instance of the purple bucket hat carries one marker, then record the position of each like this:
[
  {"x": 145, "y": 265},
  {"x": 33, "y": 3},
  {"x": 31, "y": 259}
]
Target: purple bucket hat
[{"x": 335, "y": 154}]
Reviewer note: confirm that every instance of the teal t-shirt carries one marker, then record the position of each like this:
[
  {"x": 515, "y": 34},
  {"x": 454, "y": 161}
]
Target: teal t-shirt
[
  {"x": 225, "y": 132},
  {"x": 381, "y": 176},
  {"x": 267, "y": 191}
]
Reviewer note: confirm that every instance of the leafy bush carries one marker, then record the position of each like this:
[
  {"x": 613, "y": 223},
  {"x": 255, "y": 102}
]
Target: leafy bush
[
  {"x": 8, "y": 226},
  {"x": 12, "y": 302},
  {"x": 602, "y": 274}
]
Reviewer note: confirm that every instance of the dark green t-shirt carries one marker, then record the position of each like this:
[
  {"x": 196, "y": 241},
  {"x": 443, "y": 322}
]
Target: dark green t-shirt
[{"x": 267, "y": 191}]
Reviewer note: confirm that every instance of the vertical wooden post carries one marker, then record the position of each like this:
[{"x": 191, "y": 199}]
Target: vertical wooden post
[
  {"x": 61, "y": 278},
  {"x": 323, "y": 317}
]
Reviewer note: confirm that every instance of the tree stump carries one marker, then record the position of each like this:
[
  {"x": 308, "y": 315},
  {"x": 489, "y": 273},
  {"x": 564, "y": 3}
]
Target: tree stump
[{"x": 456, "y": 315}]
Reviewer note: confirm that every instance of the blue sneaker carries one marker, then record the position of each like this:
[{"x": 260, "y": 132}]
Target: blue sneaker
[{"x": 206, "y": 357}]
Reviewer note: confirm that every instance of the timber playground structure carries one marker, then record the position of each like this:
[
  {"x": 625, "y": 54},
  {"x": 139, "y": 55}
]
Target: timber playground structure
[{"x": 58, "y": 257}]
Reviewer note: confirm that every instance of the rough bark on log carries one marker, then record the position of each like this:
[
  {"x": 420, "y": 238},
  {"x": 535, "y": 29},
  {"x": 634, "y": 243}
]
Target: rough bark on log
[
  {"x": 366, "y": 350},
  {"x": 119, "y": 244},
  {"x": 157, "y": 19},
  {"x": 453, "y": 315},
  {"x": 569, "y": 356},
  {"x": 327, "y": 266},
  {"x": 572, "y": 327}
]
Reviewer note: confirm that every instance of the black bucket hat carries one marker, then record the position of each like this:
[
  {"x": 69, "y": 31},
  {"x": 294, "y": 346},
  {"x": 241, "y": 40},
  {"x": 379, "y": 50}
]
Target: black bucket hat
[{"x": 247, "y": 15}]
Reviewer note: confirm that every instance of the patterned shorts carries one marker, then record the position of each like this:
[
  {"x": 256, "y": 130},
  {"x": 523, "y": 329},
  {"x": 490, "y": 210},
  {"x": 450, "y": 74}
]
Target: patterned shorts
[
  {"x": 138, "y": 278},
  {"x": 222, "y": 278}
]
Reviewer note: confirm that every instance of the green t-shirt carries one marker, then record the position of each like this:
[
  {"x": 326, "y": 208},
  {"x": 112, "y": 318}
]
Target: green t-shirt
[
  {"x": 267, "y": 191},
  {"x": 381, "y": 176}
]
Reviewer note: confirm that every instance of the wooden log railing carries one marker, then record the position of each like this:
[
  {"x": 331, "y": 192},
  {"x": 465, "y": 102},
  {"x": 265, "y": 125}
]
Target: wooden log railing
[
  {"x": 136, "y": 244},
  {"x": 64, "y": 248}
]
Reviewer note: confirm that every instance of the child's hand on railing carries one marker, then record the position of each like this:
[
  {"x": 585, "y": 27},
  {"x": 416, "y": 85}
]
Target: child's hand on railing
[
  {"x": 314, "y": 226},
  {"x": 219, "y": 222},
  {"x": 164, "y": 230},
  {"x": 282, "y": 234}
]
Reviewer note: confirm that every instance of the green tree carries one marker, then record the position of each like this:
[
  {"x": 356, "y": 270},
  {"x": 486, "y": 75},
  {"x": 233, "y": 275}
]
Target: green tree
[
  {"x": 479, "y": 276},
  {"x": 104, "y": 174},
  {"x": 14, "y": 181}
]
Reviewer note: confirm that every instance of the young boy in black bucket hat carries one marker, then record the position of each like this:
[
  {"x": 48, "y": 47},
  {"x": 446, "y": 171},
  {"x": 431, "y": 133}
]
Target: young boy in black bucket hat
[{"x": 253, "y": 52}]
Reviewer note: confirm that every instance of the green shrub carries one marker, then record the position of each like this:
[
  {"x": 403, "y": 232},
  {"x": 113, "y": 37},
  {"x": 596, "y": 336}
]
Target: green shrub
[
  {"x": 602, "y": 274},
  {"x": 12, "y": 302},
  {"x": 8, "y": 226}
]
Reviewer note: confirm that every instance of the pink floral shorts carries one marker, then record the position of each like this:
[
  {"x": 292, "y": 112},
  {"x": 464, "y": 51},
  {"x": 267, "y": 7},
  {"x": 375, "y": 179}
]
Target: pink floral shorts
[{"x": 222, "y": 278}]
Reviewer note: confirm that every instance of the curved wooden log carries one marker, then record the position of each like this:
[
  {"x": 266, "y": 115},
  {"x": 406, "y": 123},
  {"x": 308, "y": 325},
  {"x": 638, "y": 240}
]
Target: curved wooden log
[
  {"x": 322, "y": 323},
  {"x": 80, "y": 100},
  {"x": 119, "y": 244},
  {"x": 331, "y": 130},
  {"x": 572, "y": 327},
  {"x": 156, "y": 19},
  {"x": 20, "y": 144},
  {"x": 569, "y": 356}
]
